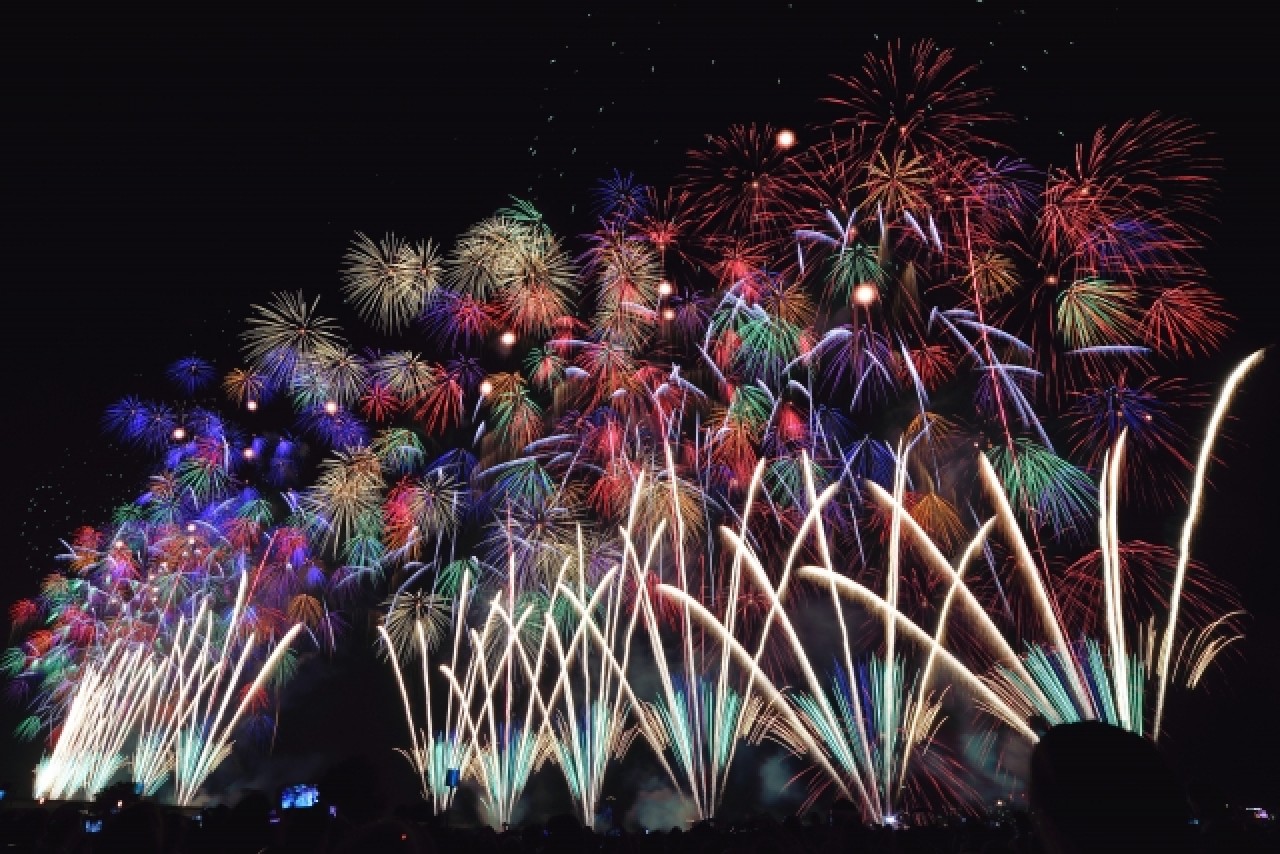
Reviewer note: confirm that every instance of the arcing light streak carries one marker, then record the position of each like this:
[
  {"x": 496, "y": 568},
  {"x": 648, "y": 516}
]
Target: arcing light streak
[
  {"x": 157, "y": 701},
  {"x": 1184, "y": 545},
  {"x": 858, "y": 593},
  {"x": 433, "y": 753}
]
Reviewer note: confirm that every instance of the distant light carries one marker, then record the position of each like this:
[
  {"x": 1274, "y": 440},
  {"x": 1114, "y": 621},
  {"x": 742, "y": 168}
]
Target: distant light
[
  {"x": 1146, "y": 416},
  {"x": 252, "y": 406},
  {"x": 665, "y": 288},
  {"x": 179, "y": 433},
  {"x": 486, "y": 388},
  {"x": 786, "y": 138},
  {"x": 331, "y": 407},
  {"x": 865, "y": 294},
  {"x": 508, "y": 338},
  {"x": 1051, "y": 279},
  {"x": 668, "y": 313},
  {"x": 191, "y": 527},
  {"x": 249, "y": 453}
]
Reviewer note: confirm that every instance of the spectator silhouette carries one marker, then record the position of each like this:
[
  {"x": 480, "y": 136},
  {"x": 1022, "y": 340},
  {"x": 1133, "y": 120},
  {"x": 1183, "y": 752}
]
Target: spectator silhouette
[
  {"x": 138, "y": 829},
  {"x": 1097, "y": 789},
  {"x": 355, "y": 787}
]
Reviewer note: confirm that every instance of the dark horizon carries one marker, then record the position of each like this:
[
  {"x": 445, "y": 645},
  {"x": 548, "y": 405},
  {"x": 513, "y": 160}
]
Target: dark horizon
[{"x": 163, "y": 174}]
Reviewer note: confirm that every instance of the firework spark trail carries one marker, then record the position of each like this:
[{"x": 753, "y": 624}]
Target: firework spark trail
[
  {"x": 1188, "y": 527},
  {"x": 978, "y": 541},
  {"x": 856, "y": 592},
  {"x": 586, "y": 741},
  {"x": 433, "y": 753},
  {"x": 205, "y": 742},
  {"x": 88, "y": 752},
  {"x": 889, "y": 721},
  {"x": 863, "y": 746},
  {"x": 1109, "y": 543},
  {"x": 1048, "y": 612},
  {"x": 161, "y": 723},
  {"x": 130, "y": 695},
  {"x": 511, "y": 746},
  {"x": 991, "y": 632}
]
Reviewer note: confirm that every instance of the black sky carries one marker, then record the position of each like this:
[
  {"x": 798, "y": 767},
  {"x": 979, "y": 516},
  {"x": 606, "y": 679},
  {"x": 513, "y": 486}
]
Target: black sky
[{"x": 161, "y": 171}]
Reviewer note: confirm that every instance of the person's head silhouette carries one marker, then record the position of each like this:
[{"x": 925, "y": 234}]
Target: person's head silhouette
[{"x": 1096, "y": 788}]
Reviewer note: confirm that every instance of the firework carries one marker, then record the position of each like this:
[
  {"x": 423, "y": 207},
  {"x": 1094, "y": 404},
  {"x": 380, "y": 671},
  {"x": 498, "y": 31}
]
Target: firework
[
  {"x": 563, "y": 460},
  {"x": 174, "y": 709}
]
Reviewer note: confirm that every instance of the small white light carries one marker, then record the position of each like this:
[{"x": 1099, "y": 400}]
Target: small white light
[
  {"x": 486, "y": 388},
  {"x": 665, "y": 288},
  {"x": 865, "y": 294},
  {"x": 252, "y": 406},
  {"x": 331, "y": 407},
  {"x": 249, "y": 453},
  {"x": 668, "y": 313},
  {"x": 179, "y": 433},
  {"x": 508, "y": 338},
  {"x": 119, "y": 544},
  {"x": 191, "y": 527},
  {"x": 786, "y": 138}
]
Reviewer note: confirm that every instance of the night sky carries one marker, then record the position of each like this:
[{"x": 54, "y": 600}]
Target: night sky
[{"x": 162, "y": 172}]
